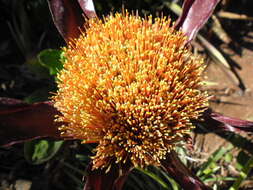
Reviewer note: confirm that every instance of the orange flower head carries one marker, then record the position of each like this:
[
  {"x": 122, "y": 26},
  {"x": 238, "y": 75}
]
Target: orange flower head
[{"x": 130, "y": 85}]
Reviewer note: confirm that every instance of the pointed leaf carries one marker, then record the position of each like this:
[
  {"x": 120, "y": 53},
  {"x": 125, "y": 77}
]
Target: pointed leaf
[
  {"x": 8, "y": 105},
  {"x": 88, "y": 8},
  {"x": 123, "y": 174},
  {"x": 216, "y": 122},
  {"x": 229, "y": 122},
  {"x": 20, "y": 122},
  {"x": 98, "y": 179},
  {"x": 181, "y": 174},
  {"x": 194, "y": 16},
  {"x": 68, "y": 16}
]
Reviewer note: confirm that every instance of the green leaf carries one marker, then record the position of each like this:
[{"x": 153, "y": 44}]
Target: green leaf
[
  {"x": 173, "y": 183},
  {"x": 155, "y": 177},
  {"x": 52, "y": 59},
  {"x": 215, "y": 157},
  {"x": 211, "y": 169},
  {"x": 242, "y": 158},
  {"x": 246, "y": 168},
  {"x": 229, "y": 157},
  {"x": 139, "y": 180},
  {"x": 215, "y": 178},
  {"x": 40, "y": 151}
]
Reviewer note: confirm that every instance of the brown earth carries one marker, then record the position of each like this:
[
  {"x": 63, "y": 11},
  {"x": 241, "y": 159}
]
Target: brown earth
[{"x": 229, "y": 99}]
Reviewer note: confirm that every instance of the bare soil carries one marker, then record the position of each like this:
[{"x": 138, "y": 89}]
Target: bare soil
[{"x": 229, "y": 98}]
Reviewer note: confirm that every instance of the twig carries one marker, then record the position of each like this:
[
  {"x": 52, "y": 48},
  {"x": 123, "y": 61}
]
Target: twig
[{"x": 229, "y": 15}]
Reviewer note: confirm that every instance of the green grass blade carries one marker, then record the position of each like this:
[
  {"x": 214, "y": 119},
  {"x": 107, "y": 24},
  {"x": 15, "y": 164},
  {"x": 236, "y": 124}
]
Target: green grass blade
[
  {"x": 155, "y": 177},
  {"x": 217, "y": 155},
  {"x": 243, "y": 174}
]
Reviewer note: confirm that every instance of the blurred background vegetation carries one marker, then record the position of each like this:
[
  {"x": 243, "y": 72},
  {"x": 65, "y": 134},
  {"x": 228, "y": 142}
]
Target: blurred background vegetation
[{"x": 29, "y": 41}]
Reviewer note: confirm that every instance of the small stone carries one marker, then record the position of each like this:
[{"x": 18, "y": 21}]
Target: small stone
[{"x": 23, "y": 184}]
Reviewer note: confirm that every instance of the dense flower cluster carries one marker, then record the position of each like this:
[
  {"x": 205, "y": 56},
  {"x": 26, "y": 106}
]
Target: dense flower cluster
[{"x": 130, "y": 85}]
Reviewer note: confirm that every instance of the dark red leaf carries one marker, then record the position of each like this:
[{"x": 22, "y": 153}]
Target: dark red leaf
[
  {"x": 88, "y": 8},
  {"x": 231, "y": 122},
  {"x": 194, "y": 16},
  {"x": 68, "y": 16},
  {"x": 120, "y": 181},
  {"x": 100, "y": 180},
  {"x": 217, "y": 122},
  {"x": 8, "y": 105},
  {"x": 20, "y": 122},
  {"x": 183, "y": 176}
]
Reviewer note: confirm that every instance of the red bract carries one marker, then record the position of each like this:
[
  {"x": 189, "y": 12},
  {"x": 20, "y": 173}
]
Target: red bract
[
  {"x": 68, "y": 16},
  {"x": 99, "y": 179},
  {"x": 217, "y": 122},
  {"x": 194, "y": 16},
  {"x": 182, "y": 174},
  {"x": 20, "y": 122}
]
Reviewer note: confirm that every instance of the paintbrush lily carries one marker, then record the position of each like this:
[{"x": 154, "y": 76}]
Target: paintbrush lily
[{"x": 130, "y": 85}]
